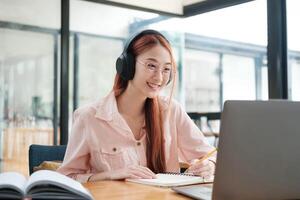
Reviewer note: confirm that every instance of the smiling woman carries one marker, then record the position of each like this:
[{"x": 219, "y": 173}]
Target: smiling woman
[
  {"x": 134, "y": 132},
  {"x": 148, "y": 69}
]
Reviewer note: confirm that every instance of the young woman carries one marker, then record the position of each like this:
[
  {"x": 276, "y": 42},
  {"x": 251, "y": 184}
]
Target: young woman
[{"x": 133, "y": 132}]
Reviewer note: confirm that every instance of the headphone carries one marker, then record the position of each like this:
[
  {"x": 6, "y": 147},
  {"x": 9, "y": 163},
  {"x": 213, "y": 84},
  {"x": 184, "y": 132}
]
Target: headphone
[{"x": 125, "y": 64}]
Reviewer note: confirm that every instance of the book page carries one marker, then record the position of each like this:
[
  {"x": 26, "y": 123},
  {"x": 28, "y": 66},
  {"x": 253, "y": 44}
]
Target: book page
[
  {"x": 13, "y": 180},
  {"x": 169, "y": 180},
  {"x": 46, "y": 177}
]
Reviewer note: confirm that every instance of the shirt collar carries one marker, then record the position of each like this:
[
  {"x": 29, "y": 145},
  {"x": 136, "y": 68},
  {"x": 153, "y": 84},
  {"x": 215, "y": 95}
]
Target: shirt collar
[{"x": 107, "y": 107}]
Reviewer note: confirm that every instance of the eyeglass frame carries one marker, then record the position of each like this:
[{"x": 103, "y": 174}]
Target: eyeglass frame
[{"x": 160, "y": 69}]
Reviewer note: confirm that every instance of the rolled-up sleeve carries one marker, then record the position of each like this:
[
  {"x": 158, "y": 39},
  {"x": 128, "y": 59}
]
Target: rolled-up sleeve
[
  {"x": 192, "y": 144},
  {"x": 76, "y": 161}
]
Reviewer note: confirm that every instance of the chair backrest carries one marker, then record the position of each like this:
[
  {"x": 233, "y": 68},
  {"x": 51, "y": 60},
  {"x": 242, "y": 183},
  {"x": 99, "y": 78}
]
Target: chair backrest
[{"x": 41, "y": 153}]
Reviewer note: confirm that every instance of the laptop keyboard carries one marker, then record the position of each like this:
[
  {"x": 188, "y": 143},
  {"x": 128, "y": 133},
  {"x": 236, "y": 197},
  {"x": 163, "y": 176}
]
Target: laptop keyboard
[{"x": 197, "y": 192}]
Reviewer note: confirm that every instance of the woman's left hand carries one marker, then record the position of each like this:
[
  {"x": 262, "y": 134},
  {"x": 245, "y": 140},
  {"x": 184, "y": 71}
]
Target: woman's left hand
[{"x": 204, "y": 169}]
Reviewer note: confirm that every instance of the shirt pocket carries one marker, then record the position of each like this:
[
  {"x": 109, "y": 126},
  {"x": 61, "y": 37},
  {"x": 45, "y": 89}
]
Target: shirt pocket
[{"x": 112, "y": 158}]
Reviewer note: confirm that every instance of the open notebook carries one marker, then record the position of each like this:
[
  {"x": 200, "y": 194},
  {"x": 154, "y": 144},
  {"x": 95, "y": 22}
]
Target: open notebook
[{"x": 172, "y": 179}]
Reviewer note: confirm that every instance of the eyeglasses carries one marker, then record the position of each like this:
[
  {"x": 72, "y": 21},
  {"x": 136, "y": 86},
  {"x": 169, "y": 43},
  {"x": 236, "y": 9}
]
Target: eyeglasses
[{"x": 153, "y": 67}]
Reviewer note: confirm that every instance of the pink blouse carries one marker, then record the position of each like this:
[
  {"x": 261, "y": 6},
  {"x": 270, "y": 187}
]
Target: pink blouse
[{"x": 102, "y": 141}]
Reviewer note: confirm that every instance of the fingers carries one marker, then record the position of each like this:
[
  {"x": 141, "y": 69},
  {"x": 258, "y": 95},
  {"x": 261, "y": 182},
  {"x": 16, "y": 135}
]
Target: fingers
[
  {"x": 133, "y": 171},
  {"x": 141, "y": 172},
  {"x": 205, "y": 174},
  {"x": 196, "y": 166},
  {"x": 204, "y": 169},
  {"x": 132, "y": 176},
  {"x": 149, "y": 171}
]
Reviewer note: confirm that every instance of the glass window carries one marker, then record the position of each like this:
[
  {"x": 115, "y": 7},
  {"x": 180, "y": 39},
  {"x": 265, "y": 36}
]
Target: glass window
[
  {"x": 294, "y": 78},
  {"x": 238, "y": 78},
  {"x": 226, "y": 33},
  {"x": 97, "y": 66},
  {"x": 293, "y": 33},
  {"x": 264, "y": 83},
  {"x": 203, "y": 93},
  {"x": 26, "y": 94},
  {"x": 28, "y": 43},
  {"x": 101, "y": 41}
]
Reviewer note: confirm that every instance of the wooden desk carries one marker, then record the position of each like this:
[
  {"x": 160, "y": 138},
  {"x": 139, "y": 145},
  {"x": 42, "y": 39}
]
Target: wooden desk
[{"x": 131, "y": 191}]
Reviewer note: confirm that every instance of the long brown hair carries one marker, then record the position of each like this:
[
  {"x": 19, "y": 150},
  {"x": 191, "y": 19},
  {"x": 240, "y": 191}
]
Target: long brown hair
[{"x": 155, "y": 152}]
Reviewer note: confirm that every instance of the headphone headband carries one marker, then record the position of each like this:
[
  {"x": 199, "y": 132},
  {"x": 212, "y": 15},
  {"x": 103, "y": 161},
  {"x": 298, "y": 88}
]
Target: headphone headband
[
  {"x": 125, "y": 64},
  {"x": 140, "y": 34}
]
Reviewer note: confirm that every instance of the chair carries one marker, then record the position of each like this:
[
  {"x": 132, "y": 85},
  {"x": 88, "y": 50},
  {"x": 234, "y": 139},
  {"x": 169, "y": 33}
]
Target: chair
[{"x": 41, "y": 153}]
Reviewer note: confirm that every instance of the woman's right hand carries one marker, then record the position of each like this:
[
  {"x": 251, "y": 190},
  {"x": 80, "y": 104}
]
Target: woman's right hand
[{"x": 132, "y": 171}]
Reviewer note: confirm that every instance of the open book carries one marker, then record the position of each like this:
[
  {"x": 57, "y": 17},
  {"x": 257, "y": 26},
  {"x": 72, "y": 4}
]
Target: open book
[
  {"x": 172, "y": 179},
  {"x": 43, "y": 184}
]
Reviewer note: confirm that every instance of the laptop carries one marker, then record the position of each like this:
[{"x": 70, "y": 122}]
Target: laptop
[{"x": 258, "y": 153}]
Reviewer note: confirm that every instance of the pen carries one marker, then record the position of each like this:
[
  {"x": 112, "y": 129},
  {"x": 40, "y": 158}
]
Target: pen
[{"x": 205, "y": 157}]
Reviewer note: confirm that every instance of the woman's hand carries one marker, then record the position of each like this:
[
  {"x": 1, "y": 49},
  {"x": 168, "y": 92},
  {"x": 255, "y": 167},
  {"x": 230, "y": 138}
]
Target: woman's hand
[
  {"x": 133, "y": 171},
  {"x": 205, "y": 168}
]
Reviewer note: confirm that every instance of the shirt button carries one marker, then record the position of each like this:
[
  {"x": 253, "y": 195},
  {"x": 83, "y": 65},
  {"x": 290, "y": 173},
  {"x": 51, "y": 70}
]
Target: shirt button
[{"x": 138, "y": 143}]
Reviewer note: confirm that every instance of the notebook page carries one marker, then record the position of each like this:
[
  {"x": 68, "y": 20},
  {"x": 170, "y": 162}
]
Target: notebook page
[{"x": 169, "y": 180}]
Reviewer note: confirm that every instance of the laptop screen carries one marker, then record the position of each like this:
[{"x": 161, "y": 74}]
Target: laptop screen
[{"x": 258, "y": 153}]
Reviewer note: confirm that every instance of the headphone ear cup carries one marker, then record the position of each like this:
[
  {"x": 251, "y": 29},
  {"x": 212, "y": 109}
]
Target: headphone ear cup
[
  {"x": 130, "y": 68},
  {"x": 125, "y": 66}
]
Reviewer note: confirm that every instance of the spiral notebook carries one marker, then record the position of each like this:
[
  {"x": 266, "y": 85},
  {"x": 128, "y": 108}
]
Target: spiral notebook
[{"x": 172, "y": 179}]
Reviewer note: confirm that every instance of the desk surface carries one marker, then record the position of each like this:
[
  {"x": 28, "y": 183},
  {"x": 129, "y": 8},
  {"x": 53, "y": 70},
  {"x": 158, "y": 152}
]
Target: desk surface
[{"x": 125, "y": 190}]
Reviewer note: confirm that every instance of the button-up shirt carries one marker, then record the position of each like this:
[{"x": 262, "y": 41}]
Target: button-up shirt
[{"x": 101, "y": 140}]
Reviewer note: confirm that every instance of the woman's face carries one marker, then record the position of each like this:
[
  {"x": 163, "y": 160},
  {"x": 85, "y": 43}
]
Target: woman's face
[{"x": 152, "y": 71}]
